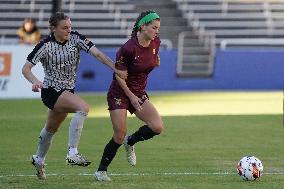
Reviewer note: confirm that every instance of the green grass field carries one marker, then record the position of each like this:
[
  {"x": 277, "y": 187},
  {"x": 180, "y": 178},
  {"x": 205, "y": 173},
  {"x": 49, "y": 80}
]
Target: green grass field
[{"x": 206, "y": 135}]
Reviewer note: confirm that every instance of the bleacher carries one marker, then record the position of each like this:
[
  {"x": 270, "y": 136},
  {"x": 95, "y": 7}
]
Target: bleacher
[
  {"x": 13, "y": 13},
  {"x": 101, "y": 18},
  {"x": 96, "y": 19},
  {"x": 255, "y": 23},
  {"x": 107, "y": 22},
  {"x": 211, "y": 24},
  {"x": 236, "y": 18}
]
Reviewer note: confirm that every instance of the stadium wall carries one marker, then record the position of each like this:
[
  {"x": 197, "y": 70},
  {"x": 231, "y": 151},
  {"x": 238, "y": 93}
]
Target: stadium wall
[{"x": 245, "y": 69}]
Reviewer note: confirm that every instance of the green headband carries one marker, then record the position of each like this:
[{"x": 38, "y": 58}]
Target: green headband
[{"x": 148, "y": 18}]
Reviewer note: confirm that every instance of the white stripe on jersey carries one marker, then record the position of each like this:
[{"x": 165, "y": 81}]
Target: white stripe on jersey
[{"x": 60, "y": 60}]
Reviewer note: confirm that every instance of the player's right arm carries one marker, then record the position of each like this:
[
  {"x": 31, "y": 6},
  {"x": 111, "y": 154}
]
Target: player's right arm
[
  {"x": 27, "y": 72},
  {"x": 124, "y": 57},
  {"x": 135, "y": 101},
  {"x": 33, "y": 58}
]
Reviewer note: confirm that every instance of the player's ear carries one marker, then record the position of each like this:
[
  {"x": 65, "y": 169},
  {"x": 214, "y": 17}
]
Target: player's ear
[
  {"x": 52, "y": 28},
  {"x": 142, "y": 27}
]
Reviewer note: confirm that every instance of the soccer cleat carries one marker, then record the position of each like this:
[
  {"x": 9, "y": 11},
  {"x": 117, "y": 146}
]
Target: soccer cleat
[
  {"x": 39, "y": 168},
  {"x": 101, "y": 176},
  {"x": 130, "y": 154},
  {"x": 77, "y": 159}
]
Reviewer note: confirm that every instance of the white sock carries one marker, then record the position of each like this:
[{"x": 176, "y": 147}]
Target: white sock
[
  {"x": 72, "y": 151},
  {"x": 39, "y": 160},
  {"x": 75, "y": 129},
  {"x": 44, "y": 142}
]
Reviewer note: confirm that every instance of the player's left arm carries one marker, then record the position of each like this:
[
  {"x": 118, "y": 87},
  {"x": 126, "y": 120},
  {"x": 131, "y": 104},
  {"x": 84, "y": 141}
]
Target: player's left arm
[
  {"x": 89, "y": 47},
  {"x": 107, "y": 61}
]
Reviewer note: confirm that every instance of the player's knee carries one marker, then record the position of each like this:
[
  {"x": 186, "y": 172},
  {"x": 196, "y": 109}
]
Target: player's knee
[
  {"x": 84, "y": 107},
  {"x": 119, "y": 136},
  {"x": 118, "y": 139},
  {"x": 157, "y": 127}
]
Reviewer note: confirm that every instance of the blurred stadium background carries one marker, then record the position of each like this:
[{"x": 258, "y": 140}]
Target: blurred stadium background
[
  {"x": 206, "y": 44},
  {"x": 221, "y": 79}
]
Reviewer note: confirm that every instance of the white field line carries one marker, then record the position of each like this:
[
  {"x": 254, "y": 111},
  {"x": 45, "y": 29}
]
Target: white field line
[{"x": 137, "y": 174}]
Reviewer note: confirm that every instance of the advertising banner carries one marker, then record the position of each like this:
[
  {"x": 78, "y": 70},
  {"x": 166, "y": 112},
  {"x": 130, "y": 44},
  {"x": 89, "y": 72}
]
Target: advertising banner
[{"x": 12, "y": 82}]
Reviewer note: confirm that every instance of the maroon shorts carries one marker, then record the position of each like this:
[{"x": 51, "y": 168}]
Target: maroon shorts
[{"x": 121, "y": 101}]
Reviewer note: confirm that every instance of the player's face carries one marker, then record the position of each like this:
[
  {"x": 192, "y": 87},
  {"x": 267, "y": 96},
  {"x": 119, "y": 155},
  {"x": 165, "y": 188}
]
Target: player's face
[
  {"x": 63, "y": 30},
  {"x": 152, "y": 30}
]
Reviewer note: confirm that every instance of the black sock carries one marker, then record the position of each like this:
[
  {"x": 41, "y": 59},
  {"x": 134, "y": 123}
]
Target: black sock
[
  {"x": 108, "y": 155},
  {"x": 143, "y": 133}
]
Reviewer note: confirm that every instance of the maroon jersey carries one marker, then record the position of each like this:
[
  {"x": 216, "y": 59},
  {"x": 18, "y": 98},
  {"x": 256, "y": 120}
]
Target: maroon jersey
[{"x": 139, "y": 61}]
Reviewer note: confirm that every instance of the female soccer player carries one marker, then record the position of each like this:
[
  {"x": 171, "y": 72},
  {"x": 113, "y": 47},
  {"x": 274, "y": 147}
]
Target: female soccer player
[
  {"x": 59, "y": 54},
  {"x": 139, "y": 56}
]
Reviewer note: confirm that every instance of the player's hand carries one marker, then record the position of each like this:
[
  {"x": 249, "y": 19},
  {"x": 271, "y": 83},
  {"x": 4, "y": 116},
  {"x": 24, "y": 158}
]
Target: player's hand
[
  {"x": 36, "y": 86},
  {"x": 135, "y": 101},
  {"x": 121, "y": 73}
]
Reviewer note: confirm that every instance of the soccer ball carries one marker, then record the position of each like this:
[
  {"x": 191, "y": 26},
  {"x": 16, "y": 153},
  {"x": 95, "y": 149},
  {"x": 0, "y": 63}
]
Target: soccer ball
[{"x": 250, "y": 168}]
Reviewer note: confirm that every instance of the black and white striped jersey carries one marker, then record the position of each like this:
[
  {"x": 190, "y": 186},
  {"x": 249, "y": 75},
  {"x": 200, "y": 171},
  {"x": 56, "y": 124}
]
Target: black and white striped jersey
[{"x": 60, "y": 60}]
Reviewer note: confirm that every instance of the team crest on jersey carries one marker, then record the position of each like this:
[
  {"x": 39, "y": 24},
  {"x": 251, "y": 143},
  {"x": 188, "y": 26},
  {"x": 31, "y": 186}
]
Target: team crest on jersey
[
  {"x": 120, "y": 60},
  {"x": 117, "y": 101},
  {"x": 154, "y": 51}
]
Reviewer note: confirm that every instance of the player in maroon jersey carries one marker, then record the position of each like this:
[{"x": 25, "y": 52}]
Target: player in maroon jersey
[{"x": 139, "y": 56}]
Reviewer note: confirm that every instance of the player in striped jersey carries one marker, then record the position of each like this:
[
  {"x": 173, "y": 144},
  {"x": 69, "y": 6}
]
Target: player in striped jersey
[{"x": 59, "y": 54}]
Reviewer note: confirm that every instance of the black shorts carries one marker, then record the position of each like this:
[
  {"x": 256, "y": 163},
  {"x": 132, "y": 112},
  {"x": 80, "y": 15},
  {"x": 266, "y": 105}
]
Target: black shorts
[{"x": 49, "y": 96}]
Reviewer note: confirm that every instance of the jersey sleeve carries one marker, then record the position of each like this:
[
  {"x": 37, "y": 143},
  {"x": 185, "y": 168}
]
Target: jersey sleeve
[
  {"x": 123, "y": 58},
  {"x": 84, "y": 43},
  {"x": 37, "y": 53}
]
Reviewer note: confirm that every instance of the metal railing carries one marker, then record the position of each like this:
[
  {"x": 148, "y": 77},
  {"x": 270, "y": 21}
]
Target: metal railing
[
  {"x": 257, "y": 42},
  {"x": 205, "y": 38},
  {"x": 165, "y": 43}
]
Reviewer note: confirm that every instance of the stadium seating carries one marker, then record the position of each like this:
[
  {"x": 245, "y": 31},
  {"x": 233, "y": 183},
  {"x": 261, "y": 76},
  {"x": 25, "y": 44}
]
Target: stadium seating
[
  {"x": 210, "y": 24},
  {"x": 254, "y": 22},
  {"x": 94, "y": 18},
  {"x": 236, "y": 18},
  {"x": 102, "y": 19},
  {"x": 13, "y": 13}
]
